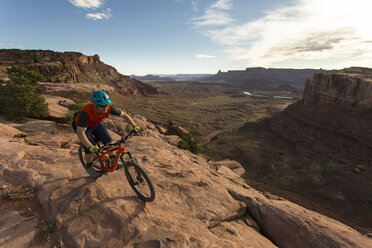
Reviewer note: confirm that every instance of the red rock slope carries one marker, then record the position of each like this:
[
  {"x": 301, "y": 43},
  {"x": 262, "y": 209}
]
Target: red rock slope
[
  {"x": 73, "y": 67},
  {"x": 196, "y": 205}
]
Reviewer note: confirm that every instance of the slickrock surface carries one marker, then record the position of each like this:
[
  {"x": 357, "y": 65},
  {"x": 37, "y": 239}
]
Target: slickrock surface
[
  {"x": 16, "y": 230},
  {"x": 195, "y": 205}
]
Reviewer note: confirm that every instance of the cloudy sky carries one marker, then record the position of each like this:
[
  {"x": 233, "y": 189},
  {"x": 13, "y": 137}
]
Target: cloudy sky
[{"x": 195, "y": 36}]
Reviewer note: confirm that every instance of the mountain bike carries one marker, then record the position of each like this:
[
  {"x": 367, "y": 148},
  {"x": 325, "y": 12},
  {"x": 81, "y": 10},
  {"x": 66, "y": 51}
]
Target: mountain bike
[{"x": 103, "y": 164}]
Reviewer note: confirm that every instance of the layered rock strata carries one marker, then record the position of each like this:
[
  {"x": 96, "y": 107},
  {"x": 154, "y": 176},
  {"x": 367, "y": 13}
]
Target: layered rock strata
[{"x": 73, "y": 67}]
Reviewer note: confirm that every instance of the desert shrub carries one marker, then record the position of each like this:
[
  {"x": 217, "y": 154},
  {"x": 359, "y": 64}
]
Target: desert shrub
[
  {"x": 18, "y": 98},
  {"x": 50, "y": 228},
  {"x": 72, "y": 108},
  {"x": 188, "y": 142}
]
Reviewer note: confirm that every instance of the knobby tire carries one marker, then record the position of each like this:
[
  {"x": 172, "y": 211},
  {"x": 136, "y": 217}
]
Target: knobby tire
[{"x": 134, "y": 183}]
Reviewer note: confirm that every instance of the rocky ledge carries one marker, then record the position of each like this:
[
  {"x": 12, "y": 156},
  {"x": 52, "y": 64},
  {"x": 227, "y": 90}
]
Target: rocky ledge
[{"x": 198, "y": 204}]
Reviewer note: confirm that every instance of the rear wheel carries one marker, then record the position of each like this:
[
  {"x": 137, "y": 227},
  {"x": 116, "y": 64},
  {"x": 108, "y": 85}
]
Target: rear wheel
[
  {"x": 97, "y": 165},
  {"x": 139, "y": 181}
]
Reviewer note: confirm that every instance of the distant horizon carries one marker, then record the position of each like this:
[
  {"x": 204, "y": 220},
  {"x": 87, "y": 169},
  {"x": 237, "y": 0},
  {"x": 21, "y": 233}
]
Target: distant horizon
[{"x": 172, "y": 74}]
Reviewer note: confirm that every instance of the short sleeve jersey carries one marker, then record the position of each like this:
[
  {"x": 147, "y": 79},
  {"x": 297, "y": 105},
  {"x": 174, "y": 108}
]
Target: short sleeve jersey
[{"x": 83, "y": 118}]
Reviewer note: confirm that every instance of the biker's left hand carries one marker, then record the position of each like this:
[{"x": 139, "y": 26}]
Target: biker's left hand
[{"x": 137, "y": 129}]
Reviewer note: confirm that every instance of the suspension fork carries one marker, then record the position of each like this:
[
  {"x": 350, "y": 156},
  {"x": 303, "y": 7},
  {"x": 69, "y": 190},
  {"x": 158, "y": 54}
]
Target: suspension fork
[{"x": 126, "y": 153}]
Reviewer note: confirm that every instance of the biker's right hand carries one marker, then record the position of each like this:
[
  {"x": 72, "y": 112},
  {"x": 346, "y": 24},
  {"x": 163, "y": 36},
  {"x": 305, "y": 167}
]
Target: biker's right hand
[
  {"x": 136, "y": 129},
  {"x": 94, "y": 149}
]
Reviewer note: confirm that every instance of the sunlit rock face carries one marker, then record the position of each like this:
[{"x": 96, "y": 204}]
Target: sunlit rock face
[
  {"x": 350, "y": 89},
  {"x": 73, "y": 67}
]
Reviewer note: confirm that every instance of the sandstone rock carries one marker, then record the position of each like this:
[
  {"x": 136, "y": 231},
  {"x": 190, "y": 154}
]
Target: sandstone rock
[
  {"x": 231, "y": 164},
  {"x": 161, "y": 130},
  {"x": 66, "y": 89},
  {"x": 250, "y": 221},
  {"x": 143, "y": 122},
  {"x": 73, "y": 67},
  {"x": 171, "y": 139},
  {"x": 15, "y": 230},
  {"x": 299, "y": 227},
  {"x": 49, "y": 133},
  {"x": 105, "y": 212},
  {"x": 57, "y": 111},
  {"x": 8, "y": 131},
  {"x": 349, "y": 88},
  {"x": 179, "y": 216},
  {"x": 174, "y": 129}
]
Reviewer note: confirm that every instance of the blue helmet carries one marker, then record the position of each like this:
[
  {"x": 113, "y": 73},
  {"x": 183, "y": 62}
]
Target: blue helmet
[{"x": 100, "y": 98}]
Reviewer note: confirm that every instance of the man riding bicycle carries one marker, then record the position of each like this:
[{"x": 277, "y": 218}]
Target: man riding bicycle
[{"x": 87, "y": 123}]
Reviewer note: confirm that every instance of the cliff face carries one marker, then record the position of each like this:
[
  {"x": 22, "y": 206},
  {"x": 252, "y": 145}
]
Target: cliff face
[
  {"x": 338, "y": 102},
  {"x": 319, "y": 147},
  {"x": 350, "y": 89},
  {"x": 330, "y": 132},
  {"x": 73, "y": 67}
]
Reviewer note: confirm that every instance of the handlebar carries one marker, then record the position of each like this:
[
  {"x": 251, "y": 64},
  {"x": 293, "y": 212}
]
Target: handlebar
[{"x": 119, "y": 142}]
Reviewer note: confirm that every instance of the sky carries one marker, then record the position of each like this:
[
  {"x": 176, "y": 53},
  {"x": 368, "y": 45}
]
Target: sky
[{"x": 195, "y": 36}]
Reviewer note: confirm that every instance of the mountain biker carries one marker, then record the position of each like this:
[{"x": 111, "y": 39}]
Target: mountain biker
[{"x": 87, "y": 122}]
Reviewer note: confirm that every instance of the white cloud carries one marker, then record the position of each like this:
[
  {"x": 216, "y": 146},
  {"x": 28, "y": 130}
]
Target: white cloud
[
  {"x": 308, "y": 30},
  {"x": 87, "y": 3},
  {"x": 99, "y": 16},
  {"x": 214, "y": 15},
  {"x": 203, "y": 56},
  {"x": 222, "y": 4}
]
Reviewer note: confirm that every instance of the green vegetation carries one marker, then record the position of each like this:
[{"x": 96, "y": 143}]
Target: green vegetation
[
  {"x": 72, "y": 109},
  {"x": 50, "y": 228},
  {"x": 188, "y": 142},
  {"x": 18, "y": 98}
]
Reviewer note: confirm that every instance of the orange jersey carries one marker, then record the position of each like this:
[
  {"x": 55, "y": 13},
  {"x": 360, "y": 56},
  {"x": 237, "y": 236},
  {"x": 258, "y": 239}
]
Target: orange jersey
[{"x": 94, "y": 117}]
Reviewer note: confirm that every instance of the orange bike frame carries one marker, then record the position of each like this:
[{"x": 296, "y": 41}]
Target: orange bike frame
[{"x": 105, "y": 160}]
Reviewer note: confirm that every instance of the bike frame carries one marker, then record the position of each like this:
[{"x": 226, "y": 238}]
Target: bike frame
[
  {"x": 120, "y": 152},
  {"x": 106, "y": 150}
]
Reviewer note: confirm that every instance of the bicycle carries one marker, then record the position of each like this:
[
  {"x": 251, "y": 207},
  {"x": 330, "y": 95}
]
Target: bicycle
[{"x": 135, "y": 175}]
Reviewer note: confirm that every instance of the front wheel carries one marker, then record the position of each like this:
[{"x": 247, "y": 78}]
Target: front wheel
[{"x": 139, "y": 181}]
